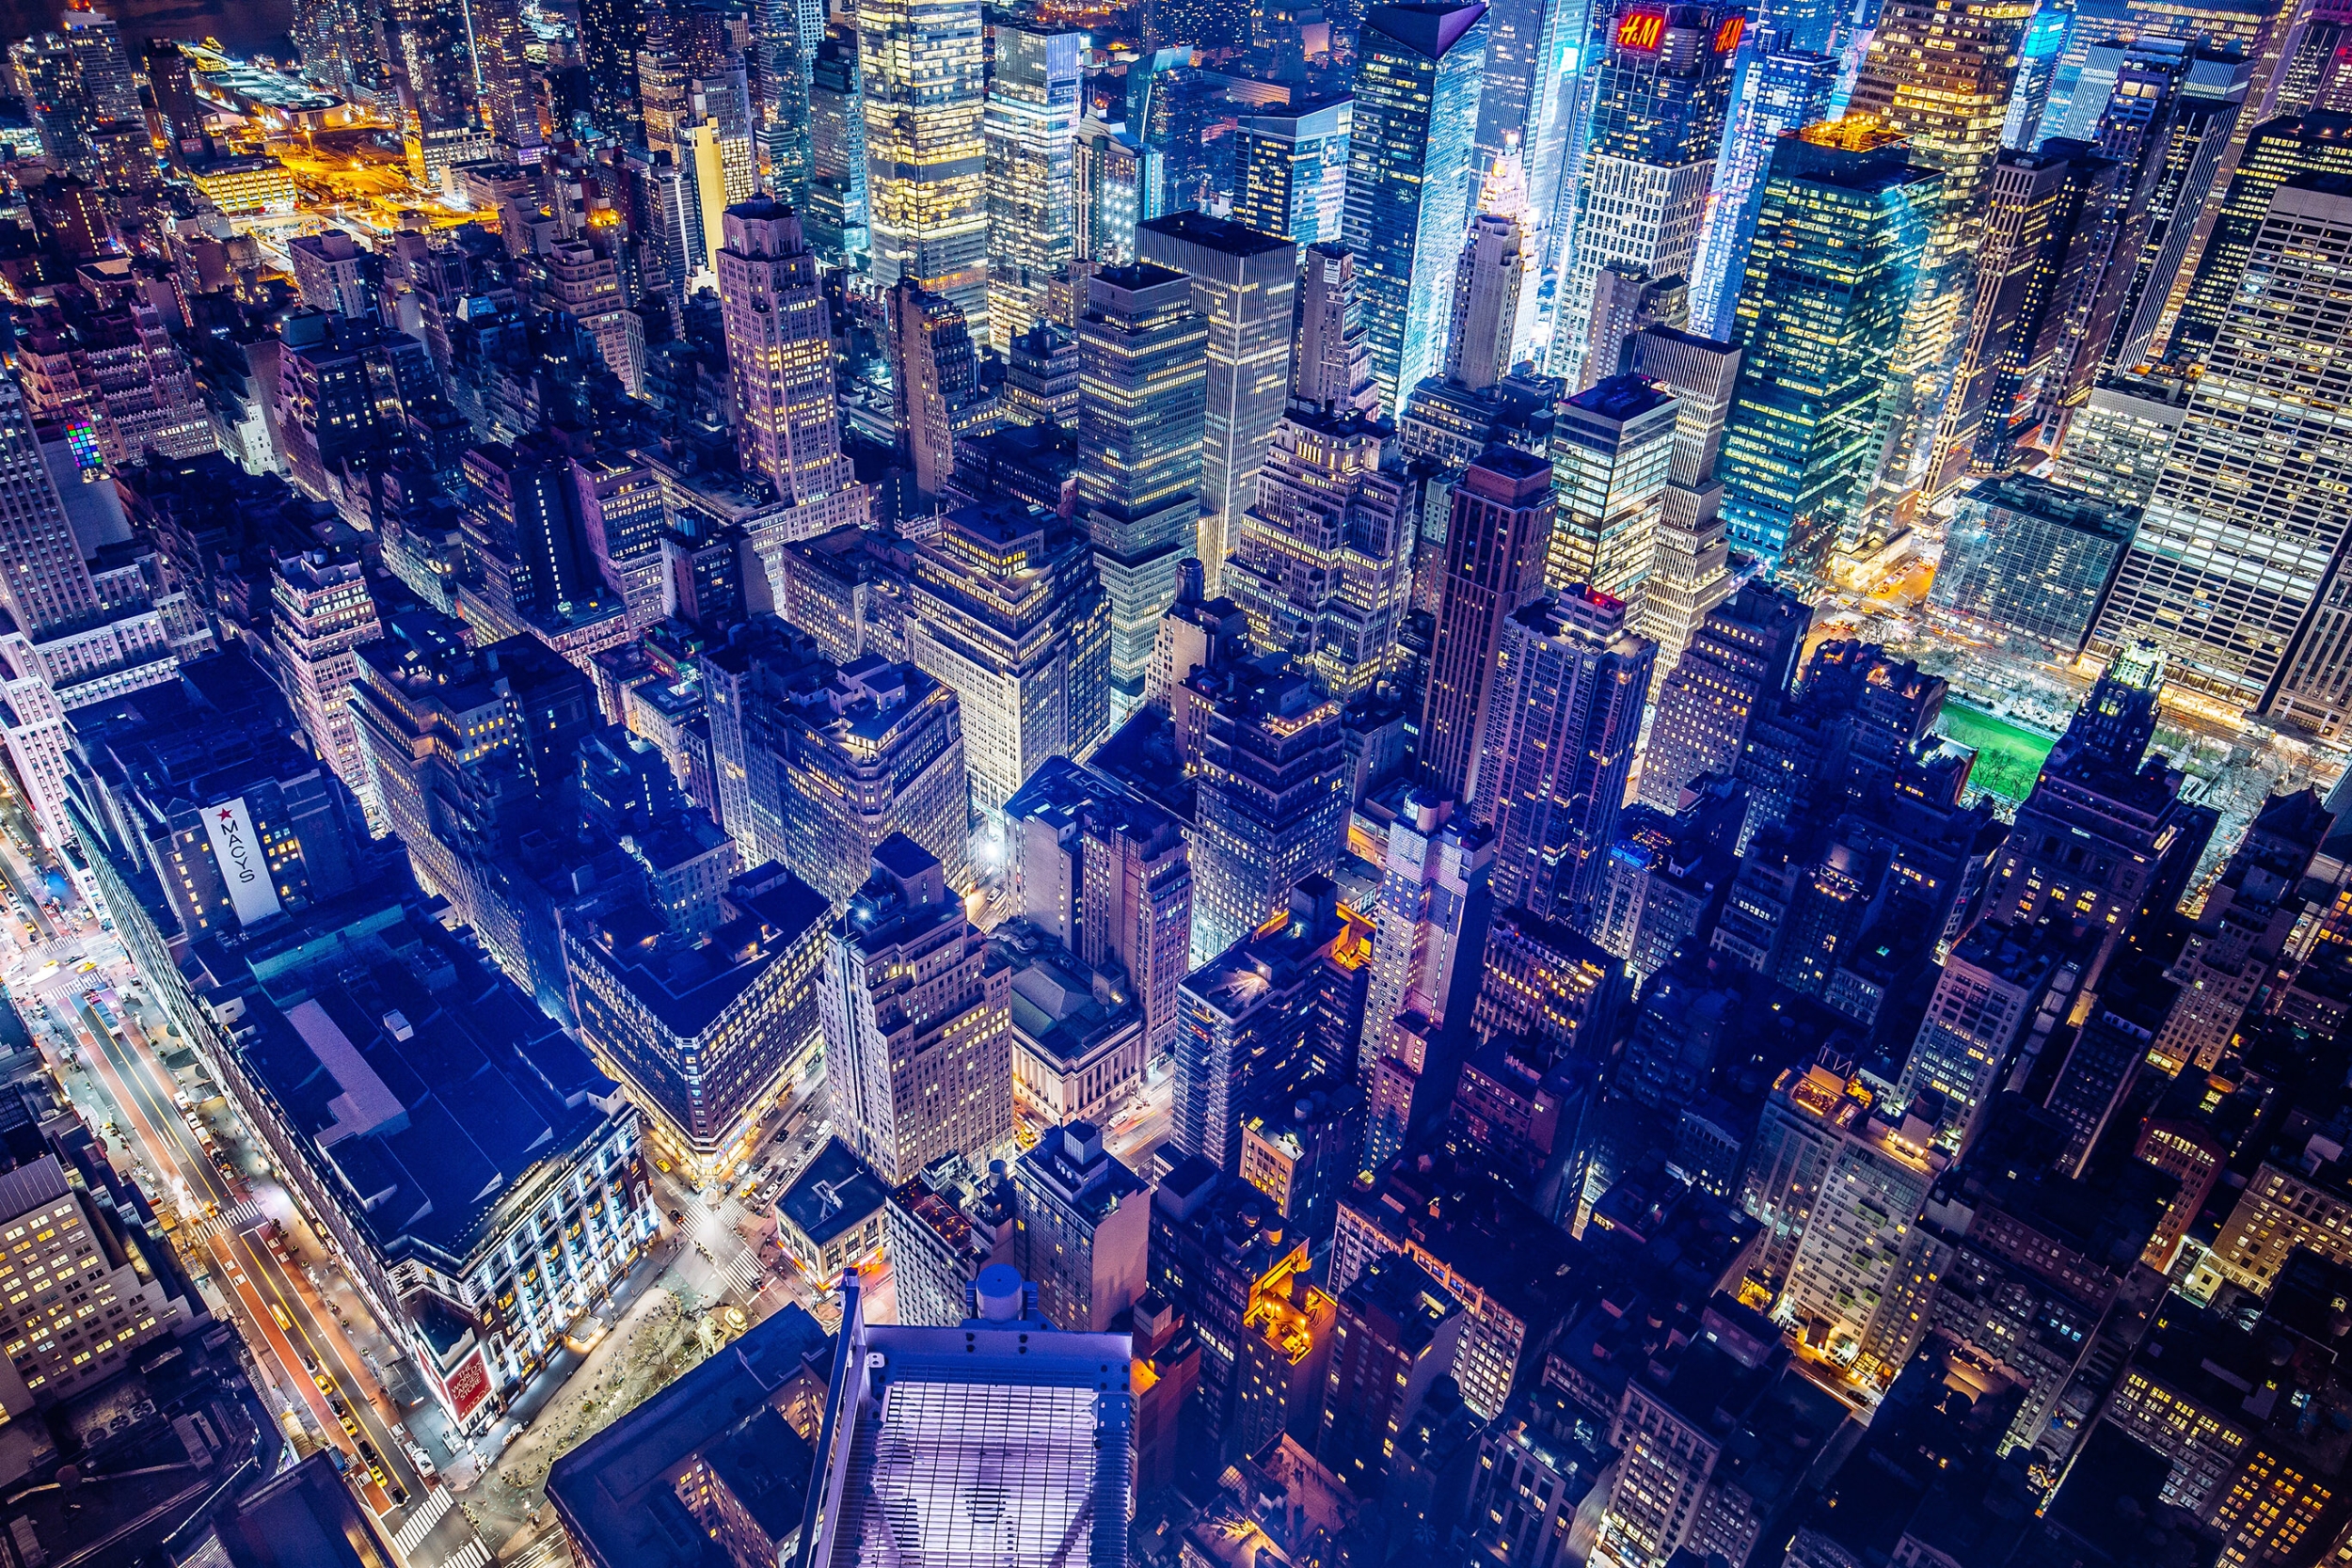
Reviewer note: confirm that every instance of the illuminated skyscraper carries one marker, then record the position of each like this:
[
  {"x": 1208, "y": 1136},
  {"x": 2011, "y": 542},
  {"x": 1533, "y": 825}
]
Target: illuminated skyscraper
[
  {"x": 1939, "y": 73},
  {"x": 1570, "y": 690},
  {"x": 780, "y": 354},
  {"x": 2038, "y": 54},
  {"x": 1785, "y": 89},
  {"x": 2236, "y": 571},
  {"x": 1143, "y": 381},
  {"x": 1031, "y": 119},
  {"x": 1494, "y": 544},
  {"x": 935, "y": 380},
  {"x": 1611, "y": 444},
  {"x": 1290, "y": 169},
  {"x": 1117, "y": 183},
  {"x": 2043, "y": 240},
  {"x": 611, "y": 33},
  {"x": 1828, "y": 282},
  {"x": 2276, "y": 152},
  {"x": 837, "y": 184},
  {"x": 1409, "y": 166},
  {"x": 1487, "y": 290},
  {"x": 1331, "y": 364},
  {"x": 1690, "y": 567},
  {"x": 919, "y": 62},
  {"x": 1244, "y": 283},
  {"x": 1273, "y": 801},
  {"x": 1657, "y": 112}
]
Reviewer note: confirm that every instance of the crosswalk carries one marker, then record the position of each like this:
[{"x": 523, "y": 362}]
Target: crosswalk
[
  {"x": 436, "y": 1503},
  {"x": 742, "y": 1269},
  {"x": 473, "y": 1554},
  {"x": 245, "y": 1216}
]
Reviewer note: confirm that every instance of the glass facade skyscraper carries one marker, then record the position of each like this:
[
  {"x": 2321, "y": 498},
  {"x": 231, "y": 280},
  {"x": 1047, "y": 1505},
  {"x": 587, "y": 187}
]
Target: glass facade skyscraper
[
  {"x": 1418, "y": 79},
  {"x": 1031, "y": 119},
  {"x": 1781, "y": 90},
  {"x": 1656, "y": 128},
  {"x": 920, "y": 62},
  {"x": 1821, "y": 305}
]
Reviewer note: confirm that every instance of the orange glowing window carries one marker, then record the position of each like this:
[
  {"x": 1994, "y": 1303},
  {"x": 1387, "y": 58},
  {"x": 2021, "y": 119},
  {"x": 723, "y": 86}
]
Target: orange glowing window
[
  {"x": 1641, "y": 29},
  {"x": 1728, "y": 36}
]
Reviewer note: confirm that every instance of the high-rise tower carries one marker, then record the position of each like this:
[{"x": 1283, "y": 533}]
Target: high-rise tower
[
  {"x": 1031, "y": 119},
  {"x": 920, "y": 65},
  {"x": 780, "y": 352}
]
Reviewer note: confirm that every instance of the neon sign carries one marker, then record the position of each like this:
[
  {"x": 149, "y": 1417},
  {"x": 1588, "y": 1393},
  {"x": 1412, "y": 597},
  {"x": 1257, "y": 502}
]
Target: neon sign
[
  {"x": 81, "y": 439},
  {"x": 1641, "y": 29},
  {"x": 1728, "y": 36}
]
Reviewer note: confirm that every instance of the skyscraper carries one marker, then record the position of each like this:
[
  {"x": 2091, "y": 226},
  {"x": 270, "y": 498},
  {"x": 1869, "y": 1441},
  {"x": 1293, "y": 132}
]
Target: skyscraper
[
  {"x": 44, "y": 583},
  {"x": 1409, "y": 165},
  {"x": 780, "y": 354},
  {"x": 1030, "y": 122},
  {"x": 1290, "y": 169},
  {"x": 1244, "y": 283},
  {"x": 1331, "y": 367},
  {"x": 1272, "y": 801},
  {"x": 1785, "y": 89},
  {"x": 2235, "y": 571},
  {"x": 1739, "y": 657},
  {"x": 1612, "y": 446},
  {"x": 1143, "y": 383},
  {"x": 837, "y": 215},
  {"x": 1487, "y": 287},
  {"x": 1939, "y": 73},
  {"x": 1321, "y": 559},
  {"x": 1829, "y": 280},
  {"x": 2044, "y": 240},
  {"x": 917, "y": 1024},
  {"x": 1495, "y": 541},
  {"x": 1008, "y": 609},
  {"x": 2275, "y": 152},
  {"x": 1658, "y": 101},
  {"x": 1569, "y": 690},
  {"x": 920, "y": 66},
  {"x": 611, "y": 33},
  {"x": 935, "y": 375},
  {"x": 1690, "y": 567}
]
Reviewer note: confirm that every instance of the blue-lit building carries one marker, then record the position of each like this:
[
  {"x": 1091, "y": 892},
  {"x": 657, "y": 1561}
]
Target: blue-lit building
[
  {"x": 1828, "y": 280},
  {"x": 2038, "y": 56},
  {"x": 1418, "y": 79},
  {"x": 1782, "y": 90},
  {"x": 1660, "y": 97}
]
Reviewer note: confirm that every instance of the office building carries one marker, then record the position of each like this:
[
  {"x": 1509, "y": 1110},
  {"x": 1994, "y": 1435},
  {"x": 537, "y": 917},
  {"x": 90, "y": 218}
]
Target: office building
[
  {"x": 1143, "y": 392},
  {"x": 706, "y": 1030},
  {"x": 780, "y": 355},
  {"x": 1290, "y": 169},
  {"x": 2043, "y": 242},
  {"x": 1690, "y": 572},
  {"x": 1109, "y": 876},
  {"x": 1829, "y": 281},
  {"x": 1007, "y": 612},
  {"x": 1431, "y": 929},
  {"x": 1659, "y": 95},
  {"x": 1826, "y": 1178},
  {"x": 1030, "y": 125},
  {"x": 875, "y": 752},
  {"x": 2275, "y": 152},
  {"x": 80, "y": 1312},
  {"x": 1050, "y": 1412},
  {"x": 1271, "y": 1018},
  {"x": 1332, "y": 369},
  {"x": 920, "y": 69},
  {"x": 1409, "y": 166},
  {"x": 942, "y": 1228},
  {"x": 2249, "y": 614},
  {"x": 1500, "y": 527},
  {"x": 837, "y": 215},
  {"x": 1612, "y": 446},
  {"x": 1321, "y": 559},
  {"x": 1084, "y": 1230},
  {"x": 1273, "y": 806},
  {"x": 1245, "y": 283},
  {"x": 1785, "y": 88},
  {"x": 1396, "y": 1333},
  {"x": 918, "y": 1022},
  {"x": 935, "y": 383},
  {"x": 1939, "y": 75},
  {"x": 1116, "y": 183},
  {"x": 1487, "y": 287},
  {"x": 1569, "y": 688},
  {"x": 2117, "y": 438},
  {"x": 320, "y": 611},
  {"x": 2024, "y": 557},
  {"x": 1982, "y": 1009}
]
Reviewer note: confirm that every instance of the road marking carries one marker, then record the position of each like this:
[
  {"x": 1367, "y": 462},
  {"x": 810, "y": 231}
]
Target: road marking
[
  {"x": 420, "y": 1524},
  {"x": 473, "y": 1554},
  {"x": 743, "y": 1271}
]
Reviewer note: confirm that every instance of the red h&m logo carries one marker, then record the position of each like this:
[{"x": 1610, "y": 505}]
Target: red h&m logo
[
  {"x": 1728, "y": 36},
  {"x": 1641, "y": 29}
]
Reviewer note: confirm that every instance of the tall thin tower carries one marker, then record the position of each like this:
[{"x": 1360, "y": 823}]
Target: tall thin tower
[
  {"x": 925, "y": 157},
  {"x": 780, "y": 352}
]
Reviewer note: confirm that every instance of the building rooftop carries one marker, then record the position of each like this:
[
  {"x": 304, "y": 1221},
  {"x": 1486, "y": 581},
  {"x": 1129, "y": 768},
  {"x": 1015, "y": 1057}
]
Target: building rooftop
[
  {"x": 688, "y": 984},
  {"x": 835, "y": 1192},
  {"x": 1214, "y": 233},
  {"x": 616, "y": 1492}
]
